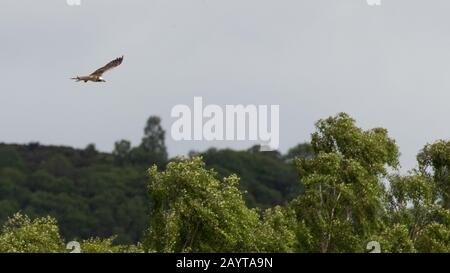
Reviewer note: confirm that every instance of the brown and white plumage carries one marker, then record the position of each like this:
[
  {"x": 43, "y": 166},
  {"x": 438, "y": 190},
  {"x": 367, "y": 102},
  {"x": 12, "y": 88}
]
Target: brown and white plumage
[{"x": 96, "y": 76}]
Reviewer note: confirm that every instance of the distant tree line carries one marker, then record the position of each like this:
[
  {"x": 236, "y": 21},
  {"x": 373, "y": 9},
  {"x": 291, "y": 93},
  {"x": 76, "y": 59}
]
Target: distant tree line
[
  {"x": 99, "y": 194},
  {"x": 335, "y": 194}
]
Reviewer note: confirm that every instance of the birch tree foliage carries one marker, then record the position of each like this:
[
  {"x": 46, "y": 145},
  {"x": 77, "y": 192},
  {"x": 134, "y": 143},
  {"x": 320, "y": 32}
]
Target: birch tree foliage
[
  {"x": 192, "y": 211},
  {"x": 343, "y": 201}
]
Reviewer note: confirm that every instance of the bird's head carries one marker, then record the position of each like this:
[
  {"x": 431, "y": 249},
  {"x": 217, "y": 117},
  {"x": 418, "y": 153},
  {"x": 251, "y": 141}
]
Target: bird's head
[{"x": 101, "y": 79}]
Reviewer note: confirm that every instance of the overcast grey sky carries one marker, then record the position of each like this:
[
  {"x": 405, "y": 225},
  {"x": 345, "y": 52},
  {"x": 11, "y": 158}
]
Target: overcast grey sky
[{"x": 387, "y": 66}]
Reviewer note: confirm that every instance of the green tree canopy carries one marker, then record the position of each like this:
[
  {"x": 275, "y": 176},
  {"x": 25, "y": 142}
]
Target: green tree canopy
[
  {"x": 342, "y": 203},
  {"x": 192, "y": 211},
  {"x": 434, "y": 161},
  {"x": 23, "y": 235}
]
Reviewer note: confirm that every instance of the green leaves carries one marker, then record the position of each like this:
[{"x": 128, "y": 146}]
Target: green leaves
[
  {"x": 414, "y": 204},
  {"x": 434, "y": 238},
  {"x": 277, "y": 232},
  {"x": 342, "y": 204},
  {"x": 434, "y": 161},
  {"x": 192, "y": 211},
  {"x": 22, "y": 235},
  {"x": 373, "y": 149}
]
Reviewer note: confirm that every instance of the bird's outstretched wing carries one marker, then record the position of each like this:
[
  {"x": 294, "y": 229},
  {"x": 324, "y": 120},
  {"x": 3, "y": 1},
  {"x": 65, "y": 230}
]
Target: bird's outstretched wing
[{"x": 99, "y": 72}]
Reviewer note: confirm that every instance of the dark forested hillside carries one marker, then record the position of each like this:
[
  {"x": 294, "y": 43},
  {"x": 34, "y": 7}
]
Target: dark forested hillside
[
  {"x": 100, "y": 194},
  {"x": 266, "y": 176},
  {"x": 85, "y": 190}
]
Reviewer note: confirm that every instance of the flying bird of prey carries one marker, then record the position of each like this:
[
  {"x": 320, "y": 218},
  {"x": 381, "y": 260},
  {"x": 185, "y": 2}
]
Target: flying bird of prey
[{"x": 96, "y": 76}]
